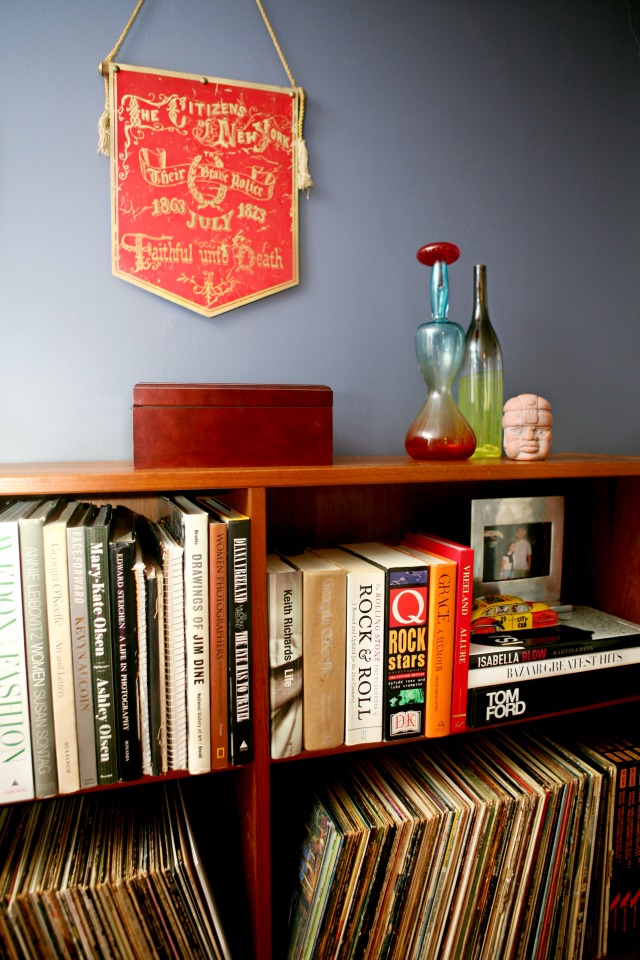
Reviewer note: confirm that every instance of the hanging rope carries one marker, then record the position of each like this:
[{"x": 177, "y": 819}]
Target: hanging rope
[
  {"x": 304, "y": 178},
  {"x": 104, "y": 124}
]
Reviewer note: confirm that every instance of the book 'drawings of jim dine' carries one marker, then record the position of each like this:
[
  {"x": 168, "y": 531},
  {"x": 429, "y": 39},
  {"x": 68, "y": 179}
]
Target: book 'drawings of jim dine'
[{"x": 203, "y": 183}]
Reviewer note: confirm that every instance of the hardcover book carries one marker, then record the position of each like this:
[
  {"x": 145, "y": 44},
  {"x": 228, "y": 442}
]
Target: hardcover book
[
  {"x": 219, "y": 642},
  {"x": 124, "y": 621},
  {"x": 188, "y": 523},
  {"x": 364, "y": 646},
  {"x": 97, "y": 531},
  {"x": 54, "y": 537},
  {"x": 284, "y": 611},
  {"x": 81, "y": 645},
  {"x": 405, "y": 650},
  {"x": 504, "y": 702},
  {"x": 440, "y": 639},
  {"x": 36, "y": 630},
  {"x": 156, "y": 689},
  {"x": 167, "y": 552},
  {"x": 463, "y": 557},
  {"x": 324, "y": 588},
  {"x": 16, "y": 769},
  {"x": 239, "y": 627}
]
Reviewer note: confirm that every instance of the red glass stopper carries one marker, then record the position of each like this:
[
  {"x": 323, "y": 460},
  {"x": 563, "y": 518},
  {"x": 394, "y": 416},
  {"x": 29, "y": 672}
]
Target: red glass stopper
[{"x": 432, "y": 252}]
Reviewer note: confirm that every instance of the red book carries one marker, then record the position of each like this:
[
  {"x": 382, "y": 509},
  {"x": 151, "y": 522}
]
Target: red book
[{"x": 464, "y": 595}]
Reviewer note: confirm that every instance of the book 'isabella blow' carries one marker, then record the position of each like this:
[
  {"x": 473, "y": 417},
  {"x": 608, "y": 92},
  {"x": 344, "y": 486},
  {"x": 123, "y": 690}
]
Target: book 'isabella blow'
[
  {"x": 406, "y": 597},
  {"x": 16, "y": 770}
]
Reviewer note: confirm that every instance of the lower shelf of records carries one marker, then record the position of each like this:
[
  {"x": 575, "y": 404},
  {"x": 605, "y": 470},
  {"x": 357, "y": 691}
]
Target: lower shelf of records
[
  {"x": 109, "y": 874},
  {"x": 504, "y": 843}
]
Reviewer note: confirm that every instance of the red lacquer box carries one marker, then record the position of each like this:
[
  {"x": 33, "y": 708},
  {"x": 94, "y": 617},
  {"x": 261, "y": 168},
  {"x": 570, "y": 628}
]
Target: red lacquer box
[{"x": 231, "y": 425}]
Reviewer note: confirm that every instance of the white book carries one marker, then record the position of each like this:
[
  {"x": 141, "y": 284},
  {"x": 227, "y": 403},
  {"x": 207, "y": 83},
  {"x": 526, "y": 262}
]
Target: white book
[
  {"x": 170, "y": 560},
  {"x": 16, "y": 768},
  {"x": 54, "y": 537},
  {"x": 189, "y": 524},
  {"x": 365, "y": 646},
  {"x": 36, "y": 631}
]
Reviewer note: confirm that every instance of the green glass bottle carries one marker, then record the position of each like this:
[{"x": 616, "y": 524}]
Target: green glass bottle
[{"x": 480, "y": 387}]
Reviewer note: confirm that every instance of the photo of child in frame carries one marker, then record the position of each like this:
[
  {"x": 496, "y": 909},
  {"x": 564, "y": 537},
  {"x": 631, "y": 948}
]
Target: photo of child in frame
[{"x": 516, "y": 551}]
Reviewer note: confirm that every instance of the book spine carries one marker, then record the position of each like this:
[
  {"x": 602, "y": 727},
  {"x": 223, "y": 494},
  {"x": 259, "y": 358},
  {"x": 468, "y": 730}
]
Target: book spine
[
  {"x": 284, "y": 598},
  {"x": 143, "y": 660},
  {"x": 125, "y": 658},
  {"x": 219, "y": 644},
  {"x": 535, "y": 652},
  {"x": 240, "y": 642},
  {"x": 440, "y": 642},
  {"x": 365, "y": 662},
  {"x": 157, "y": 672},
  {"x": 536, "y": 670},
  {"x": 196, "y": 605},
  {"x": 38, "y": 660},
  {"x": 463, "y": 557},
  {"x": 81, "y": 652},
  {"x": 502, "y": 703},
  {"x": 61, "y": 656},
  {"x": 16, "y": 769},
  {"x": 406, "y": 612},
  {"x": 101, "y": 653}
]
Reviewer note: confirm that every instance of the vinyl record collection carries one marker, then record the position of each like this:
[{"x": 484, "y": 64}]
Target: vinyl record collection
[
  {"x": 110, "y": 874},
  {"x": 508, "y": 845}
]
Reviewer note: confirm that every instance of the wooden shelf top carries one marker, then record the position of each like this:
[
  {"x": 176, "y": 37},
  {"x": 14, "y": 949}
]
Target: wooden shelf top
[{"x": 74, "y": 478}]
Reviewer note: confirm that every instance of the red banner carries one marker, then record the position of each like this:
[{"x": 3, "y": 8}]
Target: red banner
[{"x": 204, "y": 196}]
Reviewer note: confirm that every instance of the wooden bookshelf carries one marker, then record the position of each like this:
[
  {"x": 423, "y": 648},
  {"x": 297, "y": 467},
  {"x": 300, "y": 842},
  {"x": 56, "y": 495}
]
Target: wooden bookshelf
[{"x": 360, "y": 498}]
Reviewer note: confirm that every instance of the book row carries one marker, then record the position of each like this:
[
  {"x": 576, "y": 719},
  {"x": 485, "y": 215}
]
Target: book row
[
  {"x": 371, "y": 642},
  {"x": 124, "y": 643},
  {"x": 105, "y": 875},
  {"x": 513, "y": 844}
]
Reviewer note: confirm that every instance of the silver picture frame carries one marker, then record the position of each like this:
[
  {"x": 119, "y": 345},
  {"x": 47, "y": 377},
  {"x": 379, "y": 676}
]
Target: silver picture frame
[{"x": 506, "y": 560}]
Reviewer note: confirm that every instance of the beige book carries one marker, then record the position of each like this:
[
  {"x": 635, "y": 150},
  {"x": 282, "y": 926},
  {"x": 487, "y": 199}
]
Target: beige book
[{"x": 324, "y": 590}]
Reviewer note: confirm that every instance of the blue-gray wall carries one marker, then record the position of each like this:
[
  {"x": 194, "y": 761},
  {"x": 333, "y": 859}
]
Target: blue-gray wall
[{"x": 509, "y": 127}]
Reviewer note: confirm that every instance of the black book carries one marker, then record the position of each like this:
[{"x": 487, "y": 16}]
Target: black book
[
  {"x": 240, "y": 638},
  {"x": 122, "y": 590},
  {"x": 97, "y": 533},
  {"x": 505, "y": 702}
]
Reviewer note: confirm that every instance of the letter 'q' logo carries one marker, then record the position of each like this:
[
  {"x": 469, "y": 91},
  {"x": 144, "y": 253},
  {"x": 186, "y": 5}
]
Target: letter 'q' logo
[{"x": 408, "y": 606}]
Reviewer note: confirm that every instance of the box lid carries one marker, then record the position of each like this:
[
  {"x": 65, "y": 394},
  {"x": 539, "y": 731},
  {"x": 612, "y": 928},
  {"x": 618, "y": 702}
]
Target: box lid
[{"x": 232, "y": 395}]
